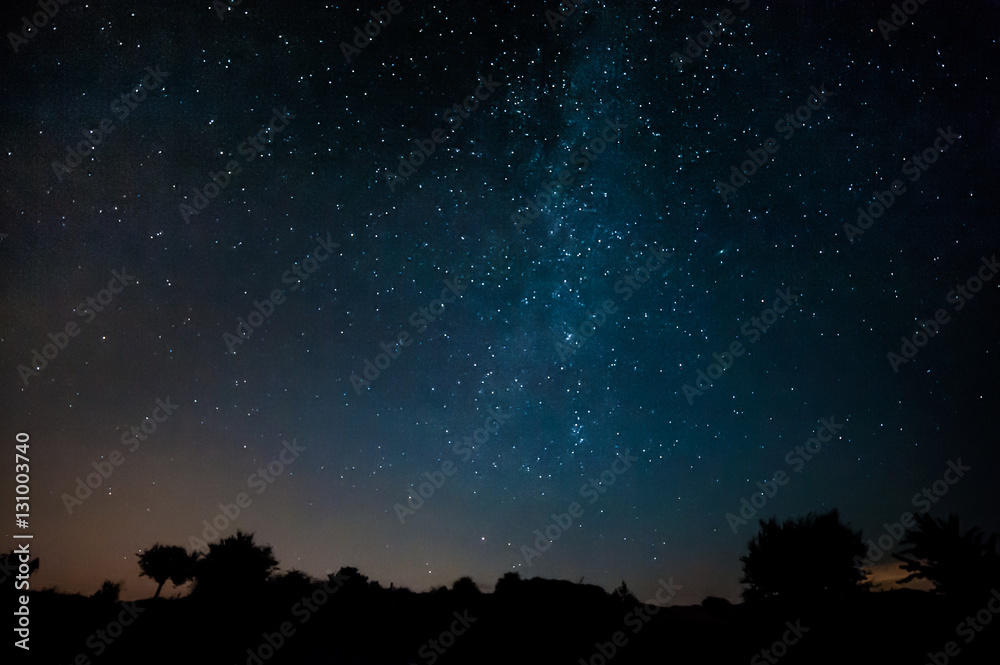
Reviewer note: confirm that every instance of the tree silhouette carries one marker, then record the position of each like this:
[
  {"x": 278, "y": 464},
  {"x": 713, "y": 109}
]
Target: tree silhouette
[
  {"x": 234, "y": 566},
  {"x": 293, "y": 583},
  {"x": 465, "y": 587},
  {"x": 625, "y": 596},
  {"x": 509, "y": 582},
  {"x": 805, "y": 558},
  {"x": 465, "y": 591},
  {"x": 958, "y": 564},
  {"x": 167, "y": 562},
  {"x": 352, "y": 581}
]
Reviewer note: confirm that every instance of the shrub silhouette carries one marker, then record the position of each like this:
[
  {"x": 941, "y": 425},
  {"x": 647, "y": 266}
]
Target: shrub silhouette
[
  {"x": 167, "y": 562},
  {"x": 293, "y": 583},
  {"x": 958, "y": 564},
  {"x": 805, "y": 558},
  {"x": 234, "y": 566},
  {"x": 465, "y": 587},
  {"x": 108, "y": 593},
  {"x": 353, "y": 583},
  {"x": 508, "y": 583}
]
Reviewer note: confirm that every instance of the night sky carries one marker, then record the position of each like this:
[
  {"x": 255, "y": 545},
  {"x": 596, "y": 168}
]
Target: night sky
[{"x": 520, "y": 316}]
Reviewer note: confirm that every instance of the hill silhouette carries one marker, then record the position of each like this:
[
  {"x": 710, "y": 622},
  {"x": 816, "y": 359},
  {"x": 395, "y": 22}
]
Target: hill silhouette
[{"x": 243, "y": 609}]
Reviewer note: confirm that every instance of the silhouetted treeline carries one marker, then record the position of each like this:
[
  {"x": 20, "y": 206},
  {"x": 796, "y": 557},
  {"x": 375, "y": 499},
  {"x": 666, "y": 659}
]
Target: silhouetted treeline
[{"x": 803, "y": 605}]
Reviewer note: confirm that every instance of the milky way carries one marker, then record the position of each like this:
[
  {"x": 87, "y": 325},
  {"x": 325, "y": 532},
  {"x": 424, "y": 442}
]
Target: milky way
[{"x": 469, "y": 266}]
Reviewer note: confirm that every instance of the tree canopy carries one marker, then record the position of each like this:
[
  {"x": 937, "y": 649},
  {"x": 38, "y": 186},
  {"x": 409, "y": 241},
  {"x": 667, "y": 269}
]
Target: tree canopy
[
  {"x": 958, "y": 564},
  {"x": 167, "y": 562},
  {"x": 234, "y": 566},
  {"x": 808, "y": 557}
]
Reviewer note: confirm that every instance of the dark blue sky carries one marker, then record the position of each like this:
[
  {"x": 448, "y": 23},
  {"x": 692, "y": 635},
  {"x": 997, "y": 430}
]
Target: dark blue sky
[{"x": 533, "y": 338}]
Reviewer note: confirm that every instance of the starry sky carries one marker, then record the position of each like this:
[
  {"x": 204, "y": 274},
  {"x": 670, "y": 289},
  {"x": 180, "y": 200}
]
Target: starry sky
[{"x": 535, "y": 333}]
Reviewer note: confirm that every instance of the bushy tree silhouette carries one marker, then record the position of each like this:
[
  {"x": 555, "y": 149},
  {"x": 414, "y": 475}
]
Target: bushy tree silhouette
[
  {"x": 353, "y": 582},
  {"x": 167, "y": 562},
  {"x": 509, "y": 582},
  {"x": 108, "y": 593},
  {"x": 465, "y": 586},
  {"x": 960, "y": 565},
  {"x": 810, "y": 557},
  {"x": 293, "y": 583},
  {"x": 234, "y": 566}
]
